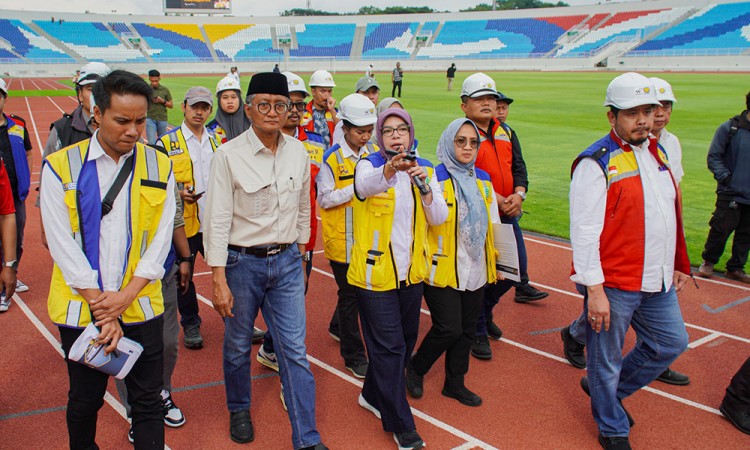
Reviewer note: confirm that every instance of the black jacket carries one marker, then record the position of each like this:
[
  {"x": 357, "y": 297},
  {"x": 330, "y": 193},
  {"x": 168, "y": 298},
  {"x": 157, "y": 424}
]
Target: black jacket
[{"x": 729, "y": 159}]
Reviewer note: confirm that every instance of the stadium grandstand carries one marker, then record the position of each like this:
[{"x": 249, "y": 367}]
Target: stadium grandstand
[{"x": 698, "y": 35}]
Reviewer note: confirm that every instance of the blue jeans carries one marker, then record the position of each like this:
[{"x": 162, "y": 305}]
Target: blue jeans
[
  {"x": 493, "y": 292},
  {"x": 275, "y": 285},
  {"x": 578, "y": 326},
  {"x": 155, "y": 129},
  {"x": 658, "y": 324},
  {"x": 390, "y": 325}
]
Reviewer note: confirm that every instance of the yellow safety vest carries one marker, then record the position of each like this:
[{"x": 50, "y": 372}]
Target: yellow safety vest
[
  {"x": 338, "y": 233},
  {"x": 177, "y": 149},
  {"x": 443, "y": 248},
  {"x": 148, "y": 187},
  {"x": 372, "y": 264}
]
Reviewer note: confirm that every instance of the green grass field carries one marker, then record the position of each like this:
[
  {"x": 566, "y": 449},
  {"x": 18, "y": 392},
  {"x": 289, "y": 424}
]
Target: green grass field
[{"x": 556, "y": 115}]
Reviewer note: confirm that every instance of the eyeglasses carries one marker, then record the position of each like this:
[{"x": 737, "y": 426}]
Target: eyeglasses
[
  {"x": 462, "y": 141},
  {"x": 299, "y": 106},
  {"x": 265, "y": 107},
  {"x": 401, "y": 130}
]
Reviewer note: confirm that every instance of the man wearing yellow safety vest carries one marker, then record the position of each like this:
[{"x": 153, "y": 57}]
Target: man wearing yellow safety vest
[
  {"x": 320, "y": 114},
  {"x": 191, "y": 148},
  {"x": 107, "y": 207}
]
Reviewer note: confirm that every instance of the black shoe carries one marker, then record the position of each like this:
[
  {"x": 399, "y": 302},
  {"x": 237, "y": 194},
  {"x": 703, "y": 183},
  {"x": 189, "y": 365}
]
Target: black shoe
[
  {"x": 258, "y": 335},
  {"x": 414, "y": 382},
  {"x": 320, "y": 446},
  {"x": 739, "y": 416},
  {"x": 193, "y": 338},
  {"x": 240, "y": 427},
  {"x": 572, "y": 349},
  {"x": 493, "y": 330},
  {"x": 480, "y": 349},
  {"x": 614, "y": 442},
  {"x": 131, "y": 436},
  {"x": 408, "y": 440},
  {"x": 528, "y": 293},
  {"x": 585, "y": 387},
  {"x": 359, "y": 370},
  {"x": 670, "y": 376},
  {"x": 334, "y": 334},
  {"x": 463, "y": 395}
]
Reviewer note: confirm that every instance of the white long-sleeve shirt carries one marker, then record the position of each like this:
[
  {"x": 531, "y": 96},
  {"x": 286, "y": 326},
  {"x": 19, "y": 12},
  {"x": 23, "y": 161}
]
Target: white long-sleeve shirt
[
  {"x": 472, "y": 274},
  {"x": 588, "y": 202},
  {"x": 328, "y": 195},
  {"x": 68, "y": 255},
  {"x": 201, "y": 154},
  {"x": 371, "y": 181},
  {"x": 673, "y": 149}
]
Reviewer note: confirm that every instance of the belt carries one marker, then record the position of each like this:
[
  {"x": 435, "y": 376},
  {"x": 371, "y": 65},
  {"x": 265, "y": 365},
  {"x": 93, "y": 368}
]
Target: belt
[{"x": 260, "y": 252}]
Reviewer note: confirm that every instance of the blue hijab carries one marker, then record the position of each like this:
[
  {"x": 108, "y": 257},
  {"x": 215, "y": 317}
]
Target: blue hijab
[{"x": 472, "y": 212}]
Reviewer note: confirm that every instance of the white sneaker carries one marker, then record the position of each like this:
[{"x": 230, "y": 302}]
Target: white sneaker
[
  {"x": 4, "y": 303},
  {"x": 268, "y": 359},
  {"x": 173, "y": 417},
  {"x": 363, "y": 403},
  {"x": 21, "y": 287}
]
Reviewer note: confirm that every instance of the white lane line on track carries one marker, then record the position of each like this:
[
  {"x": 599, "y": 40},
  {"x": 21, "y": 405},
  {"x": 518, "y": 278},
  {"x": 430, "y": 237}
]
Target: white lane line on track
[
  {"x": 20, "y": 80},
  {"x": 417, "y": 413},
  {"x": 567, "y": 247},
  {"x": 705, "y": 339},
  {"x": 56, "y": 105},
  {"x": 33, "y": 124},
  {"x": 35, "y": 85},
  {"x": 113, "y": 402}
]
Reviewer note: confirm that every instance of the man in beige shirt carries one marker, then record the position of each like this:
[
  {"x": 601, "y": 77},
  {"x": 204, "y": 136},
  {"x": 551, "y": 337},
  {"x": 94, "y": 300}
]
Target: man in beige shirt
[{"x": 257, "y": 222}]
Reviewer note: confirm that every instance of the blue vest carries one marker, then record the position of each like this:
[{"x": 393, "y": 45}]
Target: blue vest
[{"x": 16, "y": 131}]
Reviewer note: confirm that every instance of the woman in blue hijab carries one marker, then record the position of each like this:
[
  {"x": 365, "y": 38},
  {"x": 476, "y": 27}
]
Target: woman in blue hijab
[{"x": 463, "y": 260}]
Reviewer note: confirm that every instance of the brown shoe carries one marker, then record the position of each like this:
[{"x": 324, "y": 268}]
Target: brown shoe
[
  {"x": 739, "y": 275},
  {"x": 706, "y": 270}
]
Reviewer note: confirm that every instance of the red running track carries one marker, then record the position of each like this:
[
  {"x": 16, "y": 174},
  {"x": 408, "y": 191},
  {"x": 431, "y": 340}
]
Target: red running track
[{"x": 531, "y": 394}]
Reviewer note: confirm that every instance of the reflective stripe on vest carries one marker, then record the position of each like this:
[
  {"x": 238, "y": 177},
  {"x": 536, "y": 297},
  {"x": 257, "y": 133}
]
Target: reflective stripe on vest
[
  {"x": 372, "y": 264},
  {"x": 337, "y": 243},
  {"x": 178, "y": 151},
  {"x": 148, "y": 185},
  {"x": 442, "y": 239}
]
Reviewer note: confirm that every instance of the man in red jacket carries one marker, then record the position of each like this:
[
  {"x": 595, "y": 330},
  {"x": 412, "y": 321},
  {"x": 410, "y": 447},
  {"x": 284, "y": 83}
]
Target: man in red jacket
[{"x": 629, "y": 256}]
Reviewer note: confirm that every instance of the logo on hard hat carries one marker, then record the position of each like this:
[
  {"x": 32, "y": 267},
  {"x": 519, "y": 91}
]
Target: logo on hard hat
[
  {"x": 295, "y": 81},
  {"x": 662, "y": 90},
  {"x": 647, "y": 89},
  {"x": 329, "y": 79},
  {"x": 641, "y": 91}
]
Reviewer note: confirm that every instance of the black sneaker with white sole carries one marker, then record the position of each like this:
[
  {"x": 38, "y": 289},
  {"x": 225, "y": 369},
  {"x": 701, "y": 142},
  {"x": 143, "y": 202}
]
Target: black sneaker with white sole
[
  {"x": 173, "y": 417},
  {"x": 408, "y": 440}
]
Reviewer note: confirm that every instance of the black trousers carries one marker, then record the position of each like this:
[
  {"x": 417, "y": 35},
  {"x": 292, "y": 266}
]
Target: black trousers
[
  {"x": 728, "y": 217},
  {"x": 738, "y": 391},
  {"x": 144, "y": 383},
  {"x": 187, "y": 303},
  {"x": 454, "y": 321},
  {"x": 396, "y": 84},
  {"x": 345, "y": 318}
]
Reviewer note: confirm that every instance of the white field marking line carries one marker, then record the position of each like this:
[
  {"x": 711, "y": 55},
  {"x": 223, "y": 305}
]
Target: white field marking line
[
  {"x": 21, "y": 81},
  {"x": 35, "y": 85},
  {"x": 417, "y": 413},
  {"x": 710, "y": 280},
  {"x": 656, "y": 391},
  {"x": 464, "y": 446},
  {"x": 202, "y": 273},
  {"x": 113, "y": 402},
  {"x": 698, "y": 342},
  {"x": 55, "y": 103},
  {"x": 33, "y": 124},
  {"x": 689, "y": 325},
  {"x": 682, "y": 400},
  {"x": 10, "y": 80}
]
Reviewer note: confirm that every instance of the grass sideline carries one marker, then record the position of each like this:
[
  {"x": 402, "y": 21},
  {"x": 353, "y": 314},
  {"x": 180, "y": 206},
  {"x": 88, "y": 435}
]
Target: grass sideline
[{"x": 556, "y": 115}]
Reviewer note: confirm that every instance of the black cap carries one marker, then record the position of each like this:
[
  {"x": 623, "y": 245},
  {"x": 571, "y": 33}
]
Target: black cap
[
  {"x": 268, "y": 83},
  {"x": 503, "y": 98}
]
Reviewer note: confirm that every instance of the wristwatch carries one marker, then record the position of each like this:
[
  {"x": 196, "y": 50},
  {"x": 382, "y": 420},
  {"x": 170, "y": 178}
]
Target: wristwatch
[
  {"x": 306, "y": 257},
  {"x": 189, "y": 259},
  {"x": 521, "y": 194},
  {"x": 12, "y": 264}
]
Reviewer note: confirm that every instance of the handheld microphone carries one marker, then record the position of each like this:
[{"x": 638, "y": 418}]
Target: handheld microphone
[{"x": 418, "y": 182}]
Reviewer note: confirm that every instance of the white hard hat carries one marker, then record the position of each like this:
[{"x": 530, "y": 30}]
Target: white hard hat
[
  {"x": 91, "y": 72},
  {"x": 3, "y": 87},
  {"x": 358, "y": 110},
  {"x": 322, "y": 78},
  {"x": 664, "y": 91},
  {"x": 228, "y": 83},
  {"x": 629, "y": 90},
  {"x": 478, "y": 85},
  {"x": 295, "y": 83}
]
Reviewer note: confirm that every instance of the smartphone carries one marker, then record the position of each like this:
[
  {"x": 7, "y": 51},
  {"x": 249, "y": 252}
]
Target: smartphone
[{"x": 198, "y": 195}]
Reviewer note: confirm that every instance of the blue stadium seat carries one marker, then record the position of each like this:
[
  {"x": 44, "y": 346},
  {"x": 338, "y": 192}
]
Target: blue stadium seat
[
  {"x": 324, "y": 40},
  {"x": 28, "y": 44}
]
